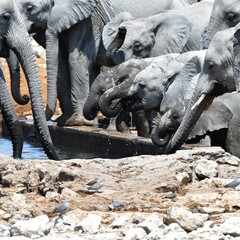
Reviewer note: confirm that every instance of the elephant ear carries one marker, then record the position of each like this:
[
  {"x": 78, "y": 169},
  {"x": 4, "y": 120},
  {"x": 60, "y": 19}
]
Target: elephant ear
[
  {"x": 65, "y": 14},
  {"x": 111, "y": 30},
  {"x": 172, "y": 35},
  {"x": 236, "y": 52},
  {"x": 216, "y": 117}
]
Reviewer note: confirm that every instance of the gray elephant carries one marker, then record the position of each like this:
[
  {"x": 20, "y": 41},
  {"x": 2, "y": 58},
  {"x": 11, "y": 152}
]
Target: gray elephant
[
  {"x": 219, "y": 122},
  {"x": 220, "y": 74},
  {"x": 114, "y": 76},
  {"x": 146, "y": 89},
  {"x": 177, "y": 30},
  {"x": 225, "y": 14},
  {"x": 14, "y": 33},
  {"x": 74, "y": 44}
]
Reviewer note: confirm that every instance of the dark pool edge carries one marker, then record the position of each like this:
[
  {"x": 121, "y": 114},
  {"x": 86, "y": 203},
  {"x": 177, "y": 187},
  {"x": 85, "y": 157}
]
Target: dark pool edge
[{"x": 108, "y": 144}]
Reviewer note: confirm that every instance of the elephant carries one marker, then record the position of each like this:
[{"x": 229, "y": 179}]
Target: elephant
[
  {"x": 146, "y": 89},
  {"x": 113, "y": 76},
  {"x": 72, "y": 35},
  {"x": 220, "y": 74},
  {"x": 15, "y": 37},
  {"x": 176, "y": 30},
  {"x": 219, "y": 121},
  {"x": 225, "y": 14}
]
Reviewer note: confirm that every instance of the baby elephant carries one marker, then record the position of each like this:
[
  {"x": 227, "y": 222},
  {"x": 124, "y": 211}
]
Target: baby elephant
[{"x": 220, "y": 121}]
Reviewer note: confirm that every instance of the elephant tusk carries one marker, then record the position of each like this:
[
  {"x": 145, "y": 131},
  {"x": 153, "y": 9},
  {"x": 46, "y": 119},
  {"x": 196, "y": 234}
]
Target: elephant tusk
[{"x": 202, "y": 97}]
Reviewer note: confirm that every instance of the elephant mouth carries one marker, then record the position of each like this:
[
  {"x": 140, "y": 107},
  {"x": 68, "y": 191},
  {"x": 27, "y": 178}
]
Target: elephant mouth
[{"x": 133, "y": 105}]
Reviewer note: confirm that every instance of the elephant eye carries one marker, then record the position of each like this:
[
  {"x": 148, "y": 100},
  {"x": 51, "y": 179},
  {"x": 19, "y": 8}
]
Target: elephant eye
[
  {"x": 6, "y": 16},
  {"x": 211, "y": 66},
  {"x": 230, "y": 18},
  {"x": 136, "y": 46},
  {"x": 29, "y": 9},
  {"x": 175, "y": 116},
  {"x": 142, "y": 84}
]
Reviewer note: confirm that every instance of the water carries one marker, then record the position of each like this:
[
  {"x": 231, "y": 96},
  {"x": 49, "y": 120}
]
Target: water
[{"x": 32, "y": 151}]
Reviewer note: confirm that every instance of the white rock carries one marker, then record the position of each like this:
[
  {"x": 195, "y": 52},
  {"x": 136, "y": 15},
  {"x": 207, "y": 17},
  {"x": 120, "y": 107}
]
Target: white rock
[
  {"x": 90, "y": 224},
  {"x": 4, "y": 229},
  {"x": 151, "y": 223},
  {"x": 35, "y": 227},
  {"x": 231, "y": 226},
  {"x": 186, "y": 219},
  {"x": 135, "y": 233},
  {"x": 206, "y": 168}
]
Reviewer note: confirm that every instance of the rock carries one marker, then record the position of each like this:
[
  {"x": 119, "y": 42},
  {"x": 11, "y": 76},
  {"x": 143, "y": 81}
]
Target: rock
[
  {"x": 90, "y": 224},
  {"x": 151, "y": 223},
  {"x": 32, "y": 228},
  {"x": 231, "y": 226},
  {"x": 4, "y": 229},
  {"x": 66, "y": 175},
  {"x": 206, "y": 169},
  {"x": 135, "y": 233},
  {"x": 187, "y": 220}
]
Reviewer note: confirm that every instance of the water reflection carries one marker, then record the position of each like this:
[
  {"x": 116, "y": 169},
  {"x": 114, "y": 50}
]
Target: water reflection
[{"x": 34, "y": 151}]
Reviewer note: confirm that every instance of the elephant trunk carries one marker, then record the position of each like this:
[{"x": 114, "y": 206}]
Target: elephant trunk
[
  {"x": 52, "y": 45},
  {"x": 194, "y": 111},
  {"x": 160, "y": 138},
  {"x": 209, "y": 31},
  {"x": 11, "y": 118},
  {"x": 90, "y": 108},
  {"x": 14, "y": 70},
  {"x": 110, "y": 102},
  {"x": 20, "y": 43}
]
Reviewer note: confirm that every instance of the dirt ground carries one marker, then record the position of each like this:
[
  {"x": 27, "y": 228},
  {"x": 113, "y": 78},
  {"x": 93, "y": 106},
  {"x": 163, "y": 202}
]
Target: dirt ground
[{"x": 24, "y": 110}]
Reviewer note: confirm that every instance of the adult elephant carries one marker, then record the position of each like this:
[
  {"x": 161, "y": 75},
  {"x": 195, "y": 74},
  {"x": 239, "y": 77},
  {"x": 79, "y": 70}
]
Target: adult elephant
[
  {"x": 13, "y": 32},
  {"x": 225, "y": 14},
  {"x": 177, "y": 30},
  {"x": 74, "y": 47},
  {"x": 147, "y": 88},
  {"x": 220, "y": 74}
]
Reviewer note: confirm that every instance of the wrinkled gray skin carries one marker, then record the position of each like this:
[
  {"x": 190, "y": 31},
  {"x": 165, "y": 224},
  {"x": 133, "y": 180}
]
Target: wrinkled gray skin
[
  {"x": 114, "y": 76},
  {"x": 176, "y": 31},
  {"x": 225, "y": 14},
  {"x": 81, "y": 51},
  {"x": 13, "y": 31},
  {"x": 146, "y": 89},
  {"x": 219, "y": 121},
  {"x": 220, "y": 74},
  {"x": 10, "y": 118}
]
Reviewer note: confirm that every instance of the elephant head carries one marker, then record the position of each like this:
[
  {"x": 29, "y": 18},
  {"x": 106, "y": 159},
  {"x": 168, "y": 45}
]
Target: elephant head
[
  {"x": 145, "y": 37},
  {"x": 14, "y": 33},
  {"x": 225, "y": 14},
  {"x": 175, "y": 100},
  {"x": 143, "y": 90},
  {"x": 170, "y": 31},
  {"x": 220, "y": 74},
  {"x": 104, "y": 81}
]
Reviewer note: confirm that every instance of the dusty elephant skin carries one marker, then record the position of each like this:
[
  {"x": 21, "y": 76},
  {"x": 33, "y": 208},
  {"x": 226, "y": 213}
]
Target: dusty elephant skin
[{"x": 165, "y": 194}]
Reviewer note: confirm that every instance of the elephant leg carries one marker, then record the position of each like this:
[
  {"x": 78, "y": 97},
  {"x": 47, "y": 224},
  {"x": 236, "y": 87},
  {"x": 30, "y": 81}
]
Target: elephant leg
[{"x": 81, "y": 57}]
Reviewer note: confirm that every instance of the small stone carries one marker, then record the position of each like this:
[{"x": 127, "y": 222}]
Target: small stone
[{"x": 206, "y": 169}]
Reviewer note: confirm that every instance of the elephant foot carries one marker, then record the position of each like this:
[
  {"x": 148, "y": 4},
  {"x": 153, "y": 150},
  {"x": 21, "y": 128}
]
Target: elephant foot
[{"x": 74, "y": 120}]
